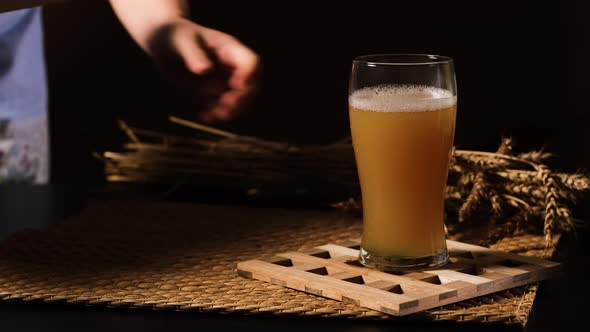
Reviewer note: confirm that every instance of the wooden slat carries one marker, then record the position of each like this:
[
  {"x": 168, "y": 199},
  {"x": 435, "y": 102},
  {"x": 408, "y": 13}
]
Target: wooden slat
[
  {"x": 336, "y": 250},
  {"x": 454, "y": 245},
  {"x": 326, "y": 271}
]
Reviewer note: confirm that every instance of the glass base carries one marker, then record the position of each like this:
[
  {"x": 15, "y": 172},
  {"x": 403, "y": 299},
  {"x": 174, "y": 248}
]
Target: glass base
[{"x": 397, "y": 264}]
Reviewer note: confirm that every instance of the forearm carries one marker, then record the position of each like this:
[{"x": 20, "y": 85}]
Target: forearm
[
  {"x": 9, "y": 5},
  {"x": 142, "y": 18}
]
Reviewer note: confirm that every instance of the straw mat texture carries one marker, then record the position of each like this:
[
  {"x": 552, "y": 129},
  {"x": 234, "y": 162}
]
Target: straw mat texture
[{"x": 183, "y": 257}]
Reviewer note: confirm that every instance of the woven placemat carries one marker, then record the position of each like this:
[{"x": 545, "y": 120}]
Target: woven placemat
[{"x": 183, "y": 257}]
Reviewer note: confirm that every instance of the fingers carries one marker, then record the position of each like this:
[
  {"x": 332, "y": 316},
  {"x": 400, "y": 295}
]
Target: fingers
[
  {"x": 241, "y": 65},
  {"x": 241, "y": 61},
  {"x": 194, "y": 56},
  {"x": 227, "y": 106},
  {"x": 226, "y": 67},
  {"x": 244, "y": 64}
]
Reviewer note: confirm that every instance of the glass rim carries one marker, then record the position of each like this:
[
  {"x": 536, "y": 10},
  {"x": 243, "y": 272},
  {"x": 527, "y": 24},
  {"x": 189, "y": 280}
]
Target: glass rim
[{"x": 397, "y": 59}]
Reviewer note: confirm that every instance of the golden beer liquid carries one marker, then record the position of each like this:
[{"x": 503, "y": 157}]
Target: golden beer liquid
[{"x": 402, "y": 137}]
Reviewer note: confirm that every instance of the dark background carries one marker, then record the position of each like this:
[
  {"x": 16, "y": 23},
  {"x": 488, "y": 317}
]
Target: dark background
[{"x": 520, "y": 66}]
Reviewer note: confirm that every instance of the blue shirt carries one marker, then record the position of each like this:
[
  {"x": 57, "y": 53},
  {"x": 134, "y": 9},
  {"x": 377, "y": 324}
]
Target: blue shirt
[{"x": 24, "y": 151}]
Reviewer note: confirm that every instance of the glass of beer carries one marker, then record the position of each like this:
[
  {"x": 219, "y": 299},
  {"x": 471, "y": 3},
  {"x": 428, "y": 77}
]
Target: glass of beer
[{"x": 402, "y": 111}]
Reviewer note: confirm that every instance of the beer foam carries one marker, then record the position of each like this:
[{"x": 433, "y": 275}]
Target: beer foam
[{"x": 402, "y": 98}]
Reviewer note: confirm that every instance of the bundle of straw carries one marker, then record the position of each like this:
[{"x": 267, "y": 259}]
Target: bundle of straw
[{"x": 510, "y": 192}]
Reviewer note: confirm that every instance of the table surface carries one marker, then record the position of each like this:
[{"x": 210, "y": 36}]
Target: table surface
[{"x": 560, "y": 302}]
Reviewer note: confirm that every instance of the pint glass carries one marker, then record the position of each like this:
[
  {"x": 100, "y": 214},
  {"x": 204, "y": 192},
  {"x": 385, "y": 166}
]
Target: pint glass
[{"x": 402, "y": 111}]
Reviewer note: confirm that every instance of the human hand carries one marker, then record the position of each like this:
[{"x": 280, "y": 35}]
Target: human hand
[{"x": 212, "y": 64}]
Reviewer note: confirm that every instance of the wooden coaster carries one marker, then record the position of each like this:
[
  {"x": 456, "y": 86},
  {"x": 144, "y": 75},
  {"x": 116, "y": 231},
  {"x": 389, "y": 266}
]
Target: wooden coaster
[{"x": 333, "y": 271}]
